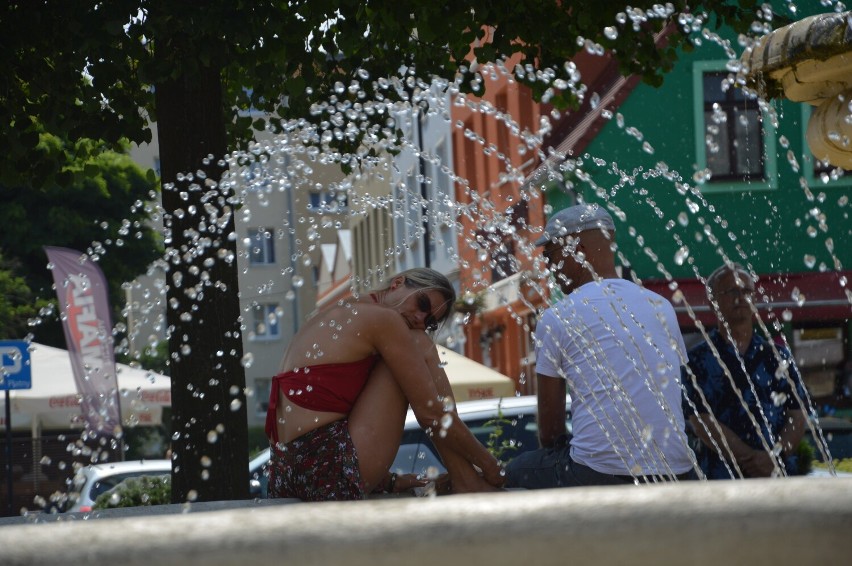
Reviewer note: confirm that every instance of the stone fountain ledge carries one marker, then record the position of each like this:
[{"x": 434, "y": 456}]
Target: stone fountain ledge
[
  {"x": 810, "y": 61},
  {"x": 790, "y": 521}
]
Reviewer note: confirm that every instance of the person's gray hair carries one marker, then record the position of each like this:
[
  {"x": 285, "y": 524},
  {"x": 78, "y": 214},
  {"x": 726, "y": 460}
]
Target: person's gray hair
[
  {"x": 732, "y": 267},
  {"x": 428, "y": 280}
]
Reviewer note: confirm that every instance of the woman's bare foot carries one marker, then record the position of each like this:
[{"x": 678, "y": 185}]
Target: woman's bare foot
[{"x": 471, "y": 483}]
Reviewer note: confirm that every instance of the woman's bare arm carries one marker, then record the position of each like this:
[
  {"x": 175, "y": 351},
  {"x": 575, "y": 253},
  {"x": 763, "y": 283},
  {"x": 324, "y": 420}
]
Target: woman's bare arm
[{"x": 395, "y": 342}]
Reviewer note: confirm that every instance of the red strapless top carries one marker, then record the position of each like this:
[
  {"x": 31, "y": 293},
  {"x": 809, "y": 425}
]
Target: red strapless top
[{"x": 328, "y": 387}]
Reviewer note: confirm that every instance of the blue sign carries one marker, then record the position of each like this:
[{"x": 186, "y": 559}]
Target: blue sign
[{"x": 16, "y": 372}]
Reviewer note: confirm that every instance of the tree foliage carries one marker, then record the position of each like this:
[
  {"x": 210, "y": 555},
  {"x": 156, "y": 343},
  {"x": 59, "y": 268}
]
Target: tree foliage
[
  {"x": 89, "y": 213},
  {"x": 17, "y": 302},
  {"x": 85, "y": 69}
]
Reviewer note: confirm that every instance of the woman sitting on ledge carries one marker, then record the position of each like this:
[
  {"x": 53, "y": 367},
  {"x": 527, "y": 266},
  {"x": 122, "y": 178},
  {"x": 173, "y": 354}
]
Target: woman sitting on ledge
[{"x": 337, "y": 409}]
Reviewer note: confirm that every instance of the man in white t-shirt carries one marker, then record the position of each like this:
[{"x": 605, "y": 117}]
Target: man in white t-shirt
[{"x": 617, "y": 348}]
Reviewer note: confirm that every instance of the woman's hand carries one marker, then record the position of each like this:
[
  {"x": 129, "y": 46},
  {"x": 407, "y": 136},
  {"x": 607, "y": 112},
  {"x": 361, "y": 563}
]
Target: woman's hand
[
  {"x": 407, "y": 482},
  {"x": 495, "y": 475}
]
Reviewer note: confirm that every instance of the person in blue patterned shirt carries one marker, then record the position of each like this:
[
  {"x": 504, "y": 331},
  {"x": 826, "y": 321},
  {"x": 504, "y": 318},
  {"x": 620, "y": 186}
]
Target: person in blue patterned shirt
[{"x": 744, "y": 394}]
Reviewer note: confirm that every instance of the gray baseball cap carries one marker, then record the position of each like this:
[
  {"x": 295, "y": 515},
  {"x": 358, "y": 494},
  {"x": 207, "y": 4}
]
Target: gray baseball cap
[{"x": 576, "y": 219}]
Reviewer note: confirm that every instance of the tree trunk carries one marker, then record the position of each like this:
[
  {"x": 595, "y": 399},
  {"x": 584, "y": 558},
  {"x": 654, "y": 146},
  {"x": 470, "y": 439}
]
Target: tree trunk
[{"x": 209, "y": 442}]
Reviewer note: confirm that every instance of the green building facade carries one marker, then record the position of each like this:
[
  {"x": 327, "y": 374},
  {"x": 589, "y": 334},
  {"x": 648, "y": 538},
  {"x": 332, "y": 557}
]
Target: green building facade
[{"x": 695, "y": 171}]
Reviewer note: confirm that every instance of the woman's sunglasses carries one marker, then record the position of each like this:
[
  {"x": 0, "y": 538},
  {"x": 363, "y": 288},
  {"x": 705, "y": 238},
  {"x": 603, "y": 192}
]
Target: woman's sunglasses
[{"x": 425, "y": 306}]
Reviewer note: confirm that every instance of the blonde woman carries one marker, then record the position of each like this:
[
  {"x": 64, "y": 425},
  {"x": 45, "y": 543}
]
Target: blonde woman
[{"x": 337, "y": 408}]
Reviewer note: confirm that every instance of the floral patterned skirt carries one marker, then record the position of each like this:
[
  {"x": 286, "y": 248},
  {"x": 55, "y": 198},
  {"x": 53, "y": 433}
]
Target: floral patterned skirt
[{"x": 318, "y": 466}]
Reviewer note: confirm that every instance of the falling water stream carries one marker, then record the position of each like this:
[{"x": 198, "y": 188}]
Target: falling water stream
[{"x": 283, "y": 166}]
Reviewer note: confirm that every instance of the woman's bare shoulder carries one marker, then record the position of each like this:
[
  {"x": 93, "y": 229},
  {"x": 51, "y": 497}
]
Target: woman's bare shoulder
[
  {"x": 341, "y": 333},
  {"x": 362, "y": 319}
]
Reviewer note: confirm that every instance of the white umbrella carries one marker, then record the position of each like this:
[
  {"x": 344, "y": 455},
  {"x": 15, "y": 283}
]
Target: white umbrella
[
  {"x": 472, "y": 380},
  {"x": 53, "y": 401}
]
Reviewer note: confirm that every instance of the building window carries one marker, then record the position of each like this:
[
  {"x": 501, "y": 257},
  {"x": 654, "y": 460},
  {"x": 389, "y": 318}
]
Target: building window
[
  {"x": 504, "y": 263},
  {"x": 265, "y": 322},
  {"x": 735, "y": 144},
  {"x": 732, "y": 132},
  {"x": 261, "y": 246},
  {"x": 328, "y": 201}
]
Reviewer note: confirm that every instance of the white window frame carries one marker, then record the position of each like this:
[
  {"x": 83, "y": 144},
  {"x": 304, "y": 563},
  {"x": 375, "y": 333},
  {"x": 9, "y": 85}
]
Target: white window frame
[
  {"x": 268, "y": 330},
  {"x": 770, "y": 170}
]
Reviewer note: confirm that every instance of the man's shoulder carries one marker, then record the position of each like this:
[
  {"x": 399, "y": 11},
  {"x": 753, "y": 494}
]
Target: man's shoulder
[{"x": 556, "y": 314}]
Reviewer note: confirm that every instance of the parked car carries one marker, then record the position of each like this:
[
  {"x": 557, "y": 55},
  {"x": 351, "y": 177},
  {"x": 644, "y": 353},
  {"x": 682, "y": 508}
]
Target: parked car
[
  {"x": 506, "y": 425},
  {"x": 258, "y": 476},
  {"x": 515, "y": 419},
  {"x": 91, "y": 481}
]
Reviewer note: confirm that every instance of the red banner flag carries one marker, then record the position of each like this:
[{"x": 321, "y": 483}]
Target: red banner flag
[{"x": 84, "y": 308}]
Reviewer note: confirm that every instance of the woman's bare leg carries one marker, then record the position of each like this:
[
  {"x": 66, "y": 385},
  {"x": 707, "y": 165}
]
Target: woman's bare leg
[
  {"x": 378, "y": 417},
  {"x": 376, "y": 423}
]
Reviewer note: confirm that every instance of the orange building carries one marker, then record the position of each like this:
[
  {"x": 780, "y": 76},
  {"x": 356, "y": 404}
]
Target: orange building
[
  {"x": 494, "y": 153},
  {"x": 503, "y": 160}
]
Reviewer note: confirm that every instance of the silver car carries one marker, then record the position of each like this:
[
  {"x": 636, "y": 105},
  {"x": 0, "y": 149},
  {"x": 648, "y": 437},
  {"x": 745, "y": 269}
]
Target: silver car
[
  {"x": 507, "y": 426},
  {"x": 91, "y": 481}
]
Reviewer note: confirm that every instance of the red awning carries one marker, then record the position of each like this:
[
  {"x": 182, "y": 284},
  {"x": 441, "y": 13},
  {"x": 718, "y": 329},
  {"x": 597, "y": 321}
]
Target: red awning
[{"x": 794, "y": 297}]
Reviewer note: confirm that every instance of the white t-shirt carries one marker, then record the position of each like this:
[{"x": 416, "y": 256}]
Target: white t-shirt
[{"x": 619, "y": 347}]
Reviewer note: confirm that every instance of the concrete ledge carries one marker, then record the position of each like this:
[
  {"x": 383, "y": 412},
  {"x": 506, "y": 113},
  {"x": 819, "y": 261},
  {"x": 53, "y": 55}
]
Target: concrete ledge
[
  {"x": 142, "y": 511},
  {"x": 789, "y": 521}
]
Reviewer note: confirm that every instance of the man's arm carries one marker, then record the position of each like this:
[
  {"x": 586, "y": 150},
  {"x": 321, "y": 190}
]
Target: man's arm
[
  {"x": 753, "y": 462},
  {"x": 551, "y": 409}
]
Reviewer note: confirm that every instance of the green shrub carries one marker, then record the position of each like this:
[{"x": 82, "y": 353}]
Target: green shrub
[
  {"x": 500, "y": 448},
  {"x": 805, "y": 453},
  {"x": 136, "y": 492}
]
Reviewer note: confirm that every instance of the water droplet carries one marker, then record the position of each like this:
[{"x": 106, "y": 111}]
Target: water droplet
[
  {"x": 212, "y": 437},
  {"x": 446, "y": 421},
  {"x": 647, "y": 435},
  {"x": 681, "y": 255}
]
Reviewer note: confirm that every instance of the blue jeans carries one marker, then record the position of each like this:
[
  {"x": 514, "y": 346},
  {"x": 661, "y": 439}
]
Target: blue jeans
[{"x": 553, "y": 467}]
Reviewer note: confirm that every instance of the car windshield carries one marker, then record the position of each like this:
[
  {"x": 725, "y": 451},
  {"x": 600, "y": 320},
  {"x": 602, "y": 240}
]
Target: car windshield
[
  {"x": 105, "y": 484},
  {"x": 505, "y": 435}
]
